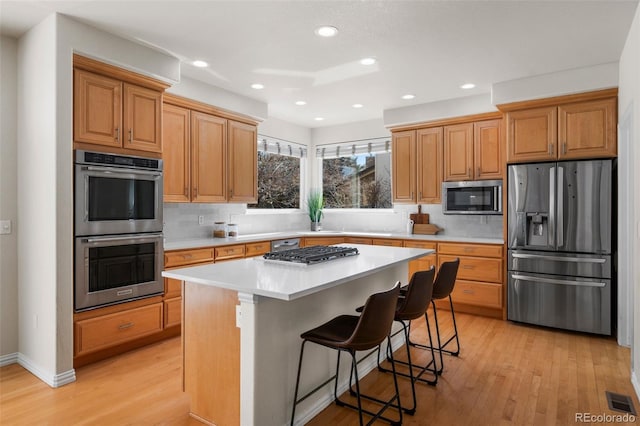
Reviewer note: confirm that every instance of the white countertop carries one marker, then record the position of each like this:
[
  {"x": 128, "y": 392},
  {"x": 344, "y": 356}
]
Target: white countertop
[
  {"x": 284, "y": 281},
  {"x": 212, "y": 242}
]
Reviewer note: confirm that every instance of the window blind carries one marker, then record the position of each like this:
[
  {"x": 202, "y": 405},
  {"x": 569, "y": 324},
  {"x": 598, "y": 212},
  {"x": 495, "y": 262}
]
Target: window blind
[
  {"x": 359, "y": 147},
  {"x": 281, "y": 146}
]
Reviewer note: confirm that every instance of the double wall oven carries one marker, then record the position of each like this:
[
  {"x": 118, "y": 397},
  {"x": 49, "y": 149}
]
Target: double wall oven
[{"x": 118, "y": 228}]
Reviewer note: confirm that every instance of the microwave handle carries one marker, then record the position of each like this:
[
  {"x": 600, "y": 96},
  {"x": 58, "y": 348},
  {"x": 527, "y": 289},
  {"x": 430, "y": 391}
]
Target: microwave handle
[{"x": 121, "y": 171}]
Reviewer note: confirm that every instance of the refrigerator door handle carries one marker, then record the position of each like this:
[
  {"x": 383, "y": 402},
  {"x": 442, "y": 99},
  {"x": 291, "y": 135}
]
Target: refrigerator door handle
[
  {"x": 560, "y": 197},
  {"x": 552, "y": 207},
  {"x": 559, "y": 282},
  {"x": 559, "y": 258}
]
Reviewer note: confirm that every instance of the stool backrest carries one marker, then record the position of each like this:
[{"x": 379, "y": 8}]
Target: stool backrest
[
  {"x": 446, "y": 279},
  {"x": 375, "y": 321},
  {"x": 419, "y": 293}
]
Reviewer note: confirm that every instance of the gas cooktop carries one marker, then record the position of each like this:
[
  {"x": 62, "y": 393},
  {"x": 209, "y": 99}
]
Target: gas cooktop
[{"x": 311, "y": 255}]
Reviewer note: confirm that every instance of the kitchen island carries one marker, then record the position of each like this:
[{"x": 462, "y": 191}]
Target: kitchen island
[{"x": 242, "y": 321}]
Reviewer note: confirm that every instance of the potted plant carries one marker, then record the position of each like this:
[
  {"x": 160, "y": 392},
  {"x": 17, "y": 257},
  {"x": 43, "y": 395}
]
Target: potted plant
[{"x": 315, "y": 203}]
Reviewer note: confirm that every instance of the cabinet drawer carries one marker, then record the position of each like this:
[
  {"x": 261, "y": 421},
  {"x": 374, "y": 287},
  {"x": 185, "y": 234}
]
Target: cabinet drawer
[
  {"x": 479, "y": 250},
  {"x": 476, "y": 269},
  {"x": 357, "y": 240},
  {"x": 322, "y": 241},
  {"x": 386, "y": 242},
  {"x": 421, "y": 244},
  {"x": 110, "y": 330},
  {"x": 172, "y": 288},
  {"x": 229, "y": 252},
  {"x": 257, "y": 249},
  {"x": 187, "y": 257},
  {"x": 479, "y": 294},
  {"x": 172, "y": 312}
]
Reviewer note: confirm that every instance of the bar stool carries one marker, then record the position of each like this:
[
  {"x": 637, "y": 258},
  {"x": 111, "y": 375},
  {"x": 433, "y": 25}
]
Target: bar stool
[
  {"x": 442, "y": 288},
  {"x": 350, "y": 333},
  {"x": 412, "y": 305}
]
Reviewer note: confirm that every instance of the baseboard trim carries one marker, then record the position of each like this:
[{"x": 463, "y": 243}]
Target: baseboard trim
[
  {"x": 364, "y": 368},
  {"x": 8, "y": 359},
  {"x": 53, "y": 380}
]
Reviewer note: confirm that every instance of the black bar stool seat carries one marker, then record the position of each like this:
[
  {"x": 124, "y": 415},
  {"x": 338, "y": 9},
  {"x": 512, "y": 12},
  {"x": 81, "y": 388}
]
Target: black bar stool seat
[{"x": 350, "y": 333}]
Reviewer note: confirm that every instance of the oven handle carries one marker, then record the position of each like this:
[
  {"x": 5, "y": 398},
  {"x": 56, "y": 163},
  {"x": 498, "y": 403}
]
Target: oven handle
[
  {"x": 558, "y": 258},
  {"x": 120, "y": 171},
  {"x": 560, "y": 282},
  {"x": 123, "y": 237}
]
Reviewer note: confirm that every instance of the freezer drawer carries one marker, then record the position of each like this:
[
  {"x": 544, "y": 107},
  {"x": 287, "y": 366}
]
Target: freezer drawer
[
  {"x": 579, "y": 265},
  {"x": 581, "y": 304}
]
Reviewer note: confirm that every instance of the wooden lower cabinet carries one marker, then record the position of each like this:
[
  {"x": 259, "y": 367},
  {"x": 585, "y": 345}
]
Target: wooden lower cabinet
[
  {"x": 257, "y": 249},
  {"x": 322, "y": 241},
  {"x": 229, "y": 252},
  {"x": 107, "y": 330},
  {"x": 358, "y": 240},
  {"x": 386, "y": 242},
  {"x": 424, "y": 263},
  {"x": 172, "y": 312}
]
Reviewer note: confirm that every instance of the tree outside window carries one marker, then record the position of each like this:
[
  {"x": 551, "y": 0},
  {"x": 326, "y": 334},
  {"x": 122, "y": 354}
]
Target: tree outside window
[{"x": 278, "y": 181}]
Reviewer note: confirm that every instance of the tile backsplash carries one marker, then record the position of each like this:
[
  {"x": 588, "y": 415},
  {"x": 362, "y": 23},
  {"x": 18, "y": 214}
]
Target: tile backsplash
[{"x": 181, "y": 220}]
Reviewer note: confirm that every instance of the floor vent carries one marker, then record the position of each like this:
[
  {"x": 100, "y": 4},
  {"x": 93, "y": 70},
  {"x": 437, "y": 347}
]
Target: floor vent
[{"x": 622, "y": 403}]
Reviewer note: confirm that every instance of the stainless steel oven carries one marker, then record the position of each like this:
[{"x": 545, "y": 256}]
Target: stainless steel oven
[
  {"x": 115, "y": 268},
  {"x": 472, "y": 197},
  {"x": 117, "y": 194}
]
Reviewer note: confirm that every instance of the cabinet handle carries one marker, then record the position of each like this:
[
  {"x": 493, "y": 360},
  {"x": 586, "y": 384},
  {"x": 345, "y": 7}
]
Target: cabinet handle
[
  {"x": 187, "y": 256},
  {"x": 421, "y": 195},
  {"x": 411, "y": 195},
  {"x": 469, "y": 249},
  {"x": 186, "y": 192},
  {"x": 466, "y": 291},
  {"x": 130, "y": 134},
  {"x": 550, "y": 149},
  {"x": 478, "y": 172},
  {"x": 564, "y": 148},
  {"x": 469, "y": 172},
  {"x": 467, "y": 266},
  {"x": 118, "y": 134},
  {"x": 125, "y": 326}
]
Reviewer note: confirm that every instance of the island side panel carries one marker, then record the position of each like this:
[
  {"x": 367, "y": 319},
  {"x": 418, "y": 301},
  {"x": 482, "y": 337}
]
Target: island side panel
[
  {"x": 278, "y": 325},
  {"x": 211, "y": 350}
]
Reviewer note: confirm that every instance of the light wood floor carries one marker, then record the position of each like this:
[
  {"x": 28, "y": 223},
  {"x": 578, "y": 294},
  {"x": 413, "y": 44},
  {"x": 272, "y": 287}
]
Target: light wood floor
[{"x": 506, "y": 374}]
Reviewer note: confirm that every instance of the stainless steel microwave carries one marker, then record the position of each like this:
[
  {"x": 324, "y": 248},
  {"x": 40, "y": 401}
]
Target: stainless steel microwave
[{"x": 472, "y": 197}]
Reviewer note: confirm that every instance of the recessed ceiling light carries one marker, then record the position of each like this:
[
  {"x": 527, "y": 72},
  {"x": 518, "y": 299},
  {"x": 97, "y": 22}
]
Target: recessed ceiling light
[
  {"x": 200, "y": 64},
  {"x": 357, "y": 105},
  {"x": 408, "y": 96},
  {"x": 468, "y": 86},
  {"x": 319, "y": 118},
  {"x": 257, "y": 86},
  {"x": 326, "y": 31},
  {"x": 368, "y": 61},
  {"x": 301, "y": 103}
]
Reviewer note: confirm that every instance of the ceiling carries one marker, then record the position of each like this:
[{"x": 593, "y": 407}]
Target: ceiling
[{"x": 424, "y": 48}]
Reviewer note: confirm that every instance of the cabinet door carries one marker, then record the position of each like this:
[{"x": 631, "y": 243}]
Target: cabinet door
[
  {"x": 458, "y": 152},
  {"x": 487, "y": 149},
  {"x": 532, "y": 134},
  {"x": 97, "y": 109},
  {"x": 175, "y": 155},
  {"x": 208, "y": 158},
  {"x": 587, "y": 129},
  {"x": 429, "y": 170},
  {"x": 243, "y": 163},
  {"x": 403, "y": 166},
  {"x": 142, "y": 118}
]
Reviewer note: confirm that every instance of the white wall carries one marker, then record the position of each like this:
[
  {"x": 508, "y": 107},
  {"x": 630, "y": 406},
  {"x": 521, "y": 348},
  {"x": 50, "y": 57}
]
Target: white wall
[
  {"x": 560, "y": 83},
  {"x": 8, "y": 200},
  {"x": 629, "y": 204},
  {"x": 280, "y": 129}
]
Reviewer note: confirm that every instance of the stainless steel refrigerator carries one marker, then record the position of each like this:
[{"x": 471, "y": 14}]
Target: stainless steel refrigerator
[{"x": 560, "y": 244}]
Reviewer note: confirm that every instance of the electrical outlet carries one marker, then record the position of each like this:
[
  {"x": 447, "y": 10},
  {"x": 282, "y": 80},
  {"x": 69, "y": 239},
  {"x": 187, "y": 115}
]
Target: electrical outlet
[
  {"x": 5, "y": 227},
  {"x": 200, "y": 220}
]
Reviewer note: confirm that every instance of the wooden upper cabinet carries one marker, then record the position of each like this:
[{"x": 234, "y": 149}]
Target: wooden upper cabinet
[
  {"x": 429, "y": 167},
  {"x": 487, "y": 149},
  {"x": 176, "y": 153},
  {"x": 208, "y": 158},
  {"x": 243, "y": 162},
  {"x": 458, "y": 152},
  {"x": 404, "y": 166},
  {"x": 142, "y": 118},
  {"x": 532, "y": 134},
  {"x": 111, "y": 113},
  {"x": 587, "y": 129},
  {"x": 97, "y": 109}
]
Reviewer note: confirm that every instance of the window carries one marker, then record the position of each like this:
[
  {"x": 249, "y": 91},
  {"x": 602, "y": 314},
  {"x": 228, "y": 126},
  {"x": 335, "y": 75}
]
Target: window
[
  {"x": 358, "y": 177},
  {"x": 279, "y": 171}
]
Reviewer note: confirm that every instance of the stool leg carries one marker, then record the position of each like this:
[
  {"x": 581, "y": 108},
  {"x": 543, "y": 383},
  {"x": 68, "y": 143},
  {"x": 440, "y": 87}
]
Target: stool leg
[
  {"x": 433, "y": 355},
  {"x": 455, "y": 329},
  {"x": 355, "y": 370},
  {"x": 295, "y": 395},
  {"x": 435, "y": 316},
  {"x": 413, "y": 380},
  {"x": 395, "y": 384}
]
